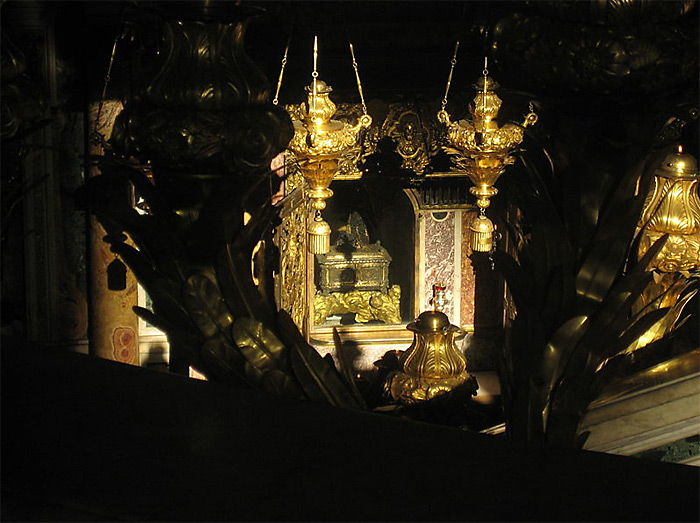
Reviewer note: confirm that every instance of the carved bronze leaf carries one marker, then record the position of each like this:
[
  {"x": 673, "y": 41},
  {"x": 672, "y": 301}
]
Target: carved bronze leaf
[
  {"x": 266, "y": 356},
  {"x": 206, "y": 305},
  {"x": 319, "y": 378},
  {"x": 223, "y": 362}
]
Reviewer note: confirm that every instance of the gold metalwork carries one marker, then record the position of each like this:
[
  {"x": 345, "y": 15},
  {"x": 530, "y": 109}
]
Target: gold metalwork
[
  {"x": 349, "y": 159},
  {"x": 354, "y": 278},
  {"x": 357, "y": 77},
  {"x": 318, "y": 143},
  {"x": 366, "y": 305},
  {"x": 291, "y": 240},
  {"x": 432, "y": 365},
  {"x": 453, "y": 62},
  {"x": 275, "y": 100},
  {"x": 292, "y": 174},
  {"x": 481, "y": 150},
  {"x": 414, "y": 141},
  {"x": 674, "y": 369},
  {"x": 672, "y": 207}
]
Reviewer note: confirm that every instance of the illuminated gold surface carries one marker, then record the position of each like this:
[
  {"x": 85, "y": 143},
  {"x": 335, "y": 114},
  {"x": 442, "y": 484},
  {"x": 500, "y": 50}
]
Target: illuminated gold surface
[
  {"x": 363, "y": 269},
  {"x": 481, "y": 150},
  {"x": 354, "y": 278},
  {"x": 432, "y": 365},
  {"x": 366, "y": 305},
  {"x": 318, "y": 144},
  {"x": 662, "y": 374},
  {"x": 291, "y": 237},
  {"x": 672, "y": 207}
]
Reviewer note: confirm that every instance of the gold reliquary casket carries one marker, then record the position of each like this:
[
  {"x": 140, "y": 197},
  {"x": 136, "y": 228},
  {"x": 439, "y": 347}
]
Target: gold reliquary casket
[
  {"x": 354, "y": 278},
  {"x": 362, "y": 270}
]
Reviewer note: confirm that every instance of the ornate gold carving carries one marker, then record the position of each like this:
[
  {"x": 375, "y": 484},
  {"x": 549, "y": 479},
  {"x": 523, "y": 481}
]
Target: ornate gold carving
[
  {"x": 354, "y": 278},
  {"x": 318, "y": 143},
  {"x": 293, "y": 178},
  {"x": 672, "y": 207},
  {"x": 292, "y": 276},
  {"x": 367, "y": 305},
  {"x": 481, "y": 150},
  {"x": 354, "y": 264},
  {"x": 349, "y": 159},
  {"x": 316, "y": 134},
  {"x": 432, "y": 365},
  {"x": 405, "y": 127}
]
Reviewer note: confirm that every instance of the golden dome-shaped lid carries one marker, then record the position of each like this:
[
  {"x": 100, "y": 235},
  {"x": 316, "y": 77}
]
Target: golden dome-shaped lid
[
  {"x": 432, "y": 321},
  {"x": 491, "y": 84},
  {"x": 321, "y": 87},
  {"x": 678, "y": 165},
  {"x": 482, "y": 224}
]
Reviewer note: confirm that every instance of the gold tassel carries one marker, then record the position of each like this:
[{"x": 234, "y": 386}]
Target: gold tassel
[
  {"x": 319, "y": 236},
  {"x": 481, "y": 234}
]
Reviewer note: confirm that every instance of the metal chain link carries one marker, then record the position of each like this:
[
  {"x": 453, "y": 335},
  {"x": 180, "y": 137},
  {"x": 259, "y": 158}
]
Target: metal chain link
[
  {"x": 453, "y": 62},
  {"x": 357, "y": 76},
  {"x": 275, "y": 100},
  {"x": 97, "y": 137}
]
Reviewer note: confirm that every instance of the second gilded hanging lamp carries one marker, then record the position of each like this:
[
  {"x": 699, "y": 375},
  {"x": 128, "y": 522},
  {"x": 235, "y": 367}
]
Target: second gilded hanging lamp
[
  {"x": 319, "y": 143},
  {"x": 481, "y": 149}
]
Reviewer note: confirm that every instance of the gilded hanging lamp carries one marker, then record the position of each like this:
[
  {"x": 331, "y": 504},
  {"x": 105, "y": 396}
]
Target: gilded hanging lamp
[
  {"x": 319, "y": 142},
  {"x": 481, "y": 149}
]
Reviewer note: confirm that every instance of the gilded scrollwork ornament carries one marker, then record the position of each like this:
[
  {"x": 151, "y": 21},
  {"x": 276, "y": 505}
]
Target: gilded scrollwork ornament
[
  {"x": 405, "y": 126},
  {"x": 292, "y": 275}
]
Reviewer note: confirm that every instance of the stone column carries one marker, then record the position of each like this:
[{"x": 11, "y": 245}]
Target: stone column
[{"x": 113, "y": 325}]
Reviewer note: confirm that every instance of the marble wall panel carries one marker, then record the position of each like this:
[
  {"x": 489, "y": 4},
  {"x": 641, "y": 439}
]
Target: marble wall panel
[{"x": 438, "y": 258}]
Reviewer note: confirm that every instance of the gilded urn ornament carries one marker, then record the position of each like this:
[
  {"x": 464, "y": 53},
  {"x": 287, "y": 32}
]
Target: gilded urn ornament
[
  {"x": 482, "y": 149},
  {"x": 319, "y": 141},
  {"x": 432, "y": 365},
  {"x": 672, "y": 207}
]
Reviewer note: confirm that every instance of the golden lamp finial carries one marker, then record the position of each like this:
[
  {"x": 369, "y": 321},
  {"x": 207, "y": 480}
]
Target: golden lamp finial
[
  {"x": 481, "y": 149},
  {"x": 319, "y": 142}
]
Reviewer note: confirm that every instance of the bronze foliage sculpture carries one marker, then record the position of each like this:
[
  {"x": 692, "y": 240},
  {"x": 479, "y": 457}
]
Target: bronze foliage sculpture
[
  {"x": 209, "y": 134},
  {"x": 206, "y": 130},
  {"x": 578, "y": 324}
]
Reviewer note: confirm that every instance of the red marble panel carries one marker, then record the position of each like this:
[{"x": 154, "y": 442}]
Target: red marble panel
[{"x": 439, "y": 259}]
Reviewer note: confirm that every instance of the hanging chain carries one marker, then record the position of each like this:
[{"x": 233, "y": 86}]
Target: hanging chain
[
  {"x": 453, "y": 62},
  {"x": 97, "y": 137},
  {"x": 275, "y": 100},
  {"x": 485, "y": 72},
  {"x": 314, "y": 75},
  {"x": 357, "y": 77}
]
